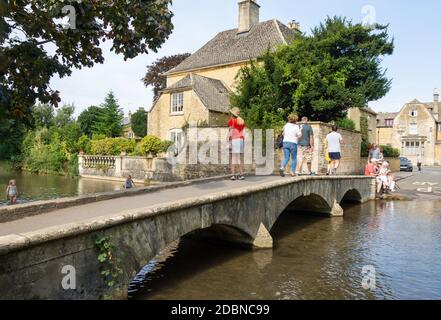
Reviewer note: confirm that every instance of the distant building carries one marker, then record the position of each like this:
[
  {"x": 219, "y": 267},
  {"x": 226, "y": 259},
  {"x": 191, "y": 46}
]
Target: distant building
[
  {"x": 198, "y": 89},
  {"x": 356, "y": 114},
  {"x": 127, "y": 127},
  {"x": 385, "y": 126},
  {"x": 416, "y": 130}
]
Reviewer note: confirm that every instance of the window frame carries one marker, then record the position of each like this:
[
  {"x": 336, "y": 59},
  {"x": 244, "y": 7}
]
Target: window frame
[{"x": 177, "y": 109}]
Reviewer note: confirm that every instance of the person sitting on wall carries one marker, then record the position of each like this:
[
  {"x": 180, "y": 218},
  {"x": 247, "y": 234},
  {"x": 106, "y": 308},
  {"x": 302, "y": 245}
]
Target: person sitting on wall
[
  {"x": 129, "y": 184},
  {"x": 385, "y": 178},
  {"x": 372, "y": 168}
]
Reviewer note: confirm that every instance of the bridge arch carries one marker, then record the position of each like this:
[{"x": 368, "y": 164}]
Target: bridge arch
[{"x": 351, "y": 196}]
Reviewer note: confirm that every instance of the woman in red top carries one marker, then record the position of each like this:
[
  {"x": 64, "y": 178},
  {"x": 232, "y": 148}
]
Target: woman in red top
[{"x": 236, "y": 136}]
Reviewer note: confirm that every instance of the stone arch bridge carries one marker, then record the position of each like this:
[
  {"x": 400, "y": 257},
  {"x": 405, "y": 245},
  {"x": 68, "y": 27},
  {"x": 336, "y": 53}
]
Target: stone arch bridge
[{"x": 34, "y": 251}]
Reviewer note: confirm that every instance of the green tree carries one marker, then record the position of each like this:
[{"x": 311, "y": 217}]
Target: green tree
[
  {"x": 87, "y": 120},
  {"x": 110, "y": 119},
  {"x": 43, "y": 115},
  {"x": 139, "y": 123},
  {"x": 154, "y": 76},
  {"x": 321, "y": 76},
  {"x": 133, "y": 27},
  {"x": 64, "y": 116}
]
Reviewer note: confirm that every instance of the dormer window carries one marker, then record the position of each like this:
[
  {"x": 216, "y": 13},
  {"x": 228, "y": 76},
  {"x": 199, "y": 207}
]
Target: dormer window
[
  {"x": 413, "y": 113},
  {"x": 177, "y": 103}
]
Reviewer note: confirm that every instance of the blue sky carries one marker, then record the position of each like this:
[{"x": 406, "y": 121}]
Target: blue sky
[{"x": 415, "y": 67}]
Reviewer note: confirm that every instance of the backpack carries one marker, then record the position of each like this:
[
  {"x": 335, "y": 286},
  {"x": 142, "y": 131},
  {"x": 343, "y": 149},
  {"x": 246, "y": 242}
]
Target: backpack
[{"x": 279, "y": 141}]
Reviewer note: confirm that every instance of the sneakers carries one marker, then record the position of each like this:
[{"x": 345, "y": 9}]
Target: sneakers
[
  {"x": 239, "y": 177},
  {"x": 282, "y": 172},
  {"x": 233, "y": 178}
]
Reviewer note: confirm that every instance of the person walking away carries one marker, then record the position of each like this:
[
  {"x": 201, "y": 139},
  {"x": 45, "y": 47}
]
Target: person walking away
[
  {"x": 306, "y": 147},
  {"x": 12, "y": 192},
  {"x": 419, "y": 162},
  {"x": 291, "y": 135},
  {"x": 334, "y": 140},
  {"x": 129, "y": 184},
  {"x": 236, "y": 136}
]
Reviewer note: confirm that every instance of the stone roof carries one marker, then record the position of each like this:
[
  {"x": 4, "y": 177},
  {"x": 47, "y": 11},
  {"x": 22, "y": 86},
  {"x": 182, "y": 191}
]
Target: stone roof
[
  {"x": 369, "y": 110},
  {"x": 229, "y": 47},
  {"x": 383, "y": 116},
  {"x": 212, "y": 93}
]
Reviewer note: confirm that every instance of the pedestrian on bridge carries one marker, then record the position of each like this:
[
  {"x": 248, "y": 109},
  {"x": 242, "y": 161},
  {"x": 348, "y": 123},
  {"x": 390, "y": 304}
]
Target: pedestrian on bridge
[
  {"x": 306, "y": 148},
  {"x": 334, "y": 140},
  {"x": 291, "y": 136},
  {"x": 236, "y": 137}
]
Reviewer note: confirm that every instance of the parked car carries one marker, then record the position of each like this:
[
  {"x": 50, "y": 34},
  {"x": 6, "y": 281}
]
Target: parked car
[{"x": 406, "y": 164}]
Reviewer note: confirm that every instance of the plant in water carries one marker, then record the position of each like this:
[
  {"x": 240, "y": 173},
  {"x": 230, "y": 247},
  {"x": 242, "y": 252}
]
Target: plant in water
[{"x": 110, "y": 264}]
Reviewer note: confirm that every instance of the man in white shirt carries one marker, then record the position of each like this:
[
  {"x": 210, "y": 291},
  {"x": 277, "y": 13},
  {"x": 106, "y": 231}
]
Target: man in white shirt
[{"x": 334, "y": 140}]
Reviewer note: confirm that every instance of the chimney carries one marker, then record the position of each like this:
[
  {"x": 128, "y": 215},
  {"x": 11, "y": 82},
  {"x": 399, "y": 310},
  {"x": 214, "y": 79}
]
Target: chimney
[
  {"x": 435, "y": 95},
  {"x": 248, "y": 15},
  {"x": 294, "y": 25}
]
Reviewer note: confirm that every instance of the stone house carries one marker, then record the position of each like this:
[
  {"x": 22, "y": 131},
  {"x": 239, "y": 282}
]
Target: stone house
[
  {"x": 416, "y": 130},
  {"x": 198, "y": 89},
  {"x": 385, "y": 126},
  {"x": 355, "y": 114}
]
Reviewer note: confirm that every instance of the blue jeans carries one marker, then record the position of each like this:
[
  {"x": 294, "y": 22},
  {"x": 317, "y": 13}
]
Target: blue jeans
[{"x": 290, "y": 150}]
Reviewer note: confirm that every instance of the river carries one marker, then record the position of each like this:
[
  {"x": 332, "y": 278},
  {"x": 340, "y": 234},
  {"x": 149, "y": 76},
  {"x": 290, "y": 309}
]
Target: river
[
  {"x": 33, "y": 187},
  {"x": 398, "y": 244}
]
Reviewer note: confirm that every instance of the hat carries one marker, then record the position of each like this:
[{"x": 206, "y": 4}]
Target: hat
[
  {"x": 374, "y": 160},
  {"x": 235, "y": 112}
]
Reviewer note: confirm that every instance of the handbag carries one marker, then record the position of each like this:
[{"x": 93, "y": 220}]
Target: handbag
[{"x": 279, "y": 141}]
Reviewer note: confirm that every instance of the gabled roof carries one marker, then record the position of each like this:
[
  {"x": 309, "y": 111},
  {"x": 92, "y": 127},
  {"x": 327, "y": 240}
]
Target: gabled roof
[
  {"x": 383, "y": 116},
  {"x": 212, "y": 93},
  {"x": 369, "y": 110},
  {"x": 229, "y": 47}
]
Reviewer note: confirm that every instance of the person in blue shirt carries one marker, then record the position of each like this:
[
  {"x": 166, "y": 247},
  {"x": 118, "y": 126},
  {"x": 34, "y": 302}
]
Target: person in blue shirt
[{"x": 129, "y": 184}]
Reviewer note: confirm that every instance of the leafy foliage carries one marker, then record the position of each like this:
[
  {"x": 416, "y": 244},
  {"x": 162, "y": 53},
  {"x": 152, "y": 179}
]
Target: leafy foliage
[
  {"x": 87, "y": 120},
  {"x": 110, "y": 118},
  {"x": 390, "y": 152},
  {"x": 345, "y": 123},
  {"x": 112, "y": 146},
  {"x": 152, "y": 144},
  {"x": 26, "y": 66},
  {"x": 139, "y": 123},
  {"x": 154, "y": 73},
  {"x": 110, "y": 264},
  {"x": 320, "y": 76}
]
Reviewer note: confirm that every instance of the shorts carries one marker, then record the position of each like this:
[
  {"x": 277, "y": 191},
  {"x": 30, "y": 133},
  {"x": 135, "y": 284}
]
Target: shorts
[
  {"x": 237, "y": 146},
  {"x": 305, "y": 153},
  {"x": 334, "y": 155}
]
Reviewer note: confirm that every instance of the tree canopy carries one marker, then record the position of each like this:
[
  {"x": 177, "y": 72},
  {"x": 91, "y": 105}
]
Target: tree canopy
[
  {"x": 110, "y": 118},
  {"x": 154, "y": 73},
  {"x": 87, "y": 120},
  {"x": 139, "y": 123},
  {"x": 35, "y": 46},
  {"x": 321, "y": 75}
]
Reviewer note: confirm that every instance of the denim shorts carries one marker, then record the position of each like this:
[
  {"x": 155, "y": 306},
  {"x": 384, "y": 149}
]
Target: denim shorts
[{"x": 334, "y": 155}]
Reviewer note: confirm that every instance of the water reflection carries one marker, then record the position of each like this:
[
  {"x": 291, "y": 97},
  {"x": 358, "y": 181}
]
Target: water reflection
[
  {"x": 43, "y": 187},
  {"x": 314, "y": 258}
]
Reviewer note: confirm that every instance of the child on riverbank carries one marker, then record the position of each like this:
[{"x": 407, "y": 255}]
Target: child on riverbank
[{"x": 12, "y": 192}]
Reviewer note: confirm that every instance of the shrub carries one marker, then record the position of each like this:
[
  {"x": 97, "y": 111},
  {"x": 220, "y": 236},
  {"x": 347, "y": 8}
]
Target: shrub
[
  {"x": 345, "y": 123},
  {"x": 390, "y": 152},
  {"x": 84, "y": 144},
  {"x": 150, "y": 144},
  {"x": 112, "y": 146}
]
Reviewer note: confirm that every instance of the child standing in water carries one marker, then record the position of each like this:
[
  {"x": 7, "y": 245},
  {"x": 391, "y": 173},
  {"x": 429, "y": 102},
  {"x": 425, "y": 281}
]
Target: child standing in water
[{"x": 12, "y": 192}]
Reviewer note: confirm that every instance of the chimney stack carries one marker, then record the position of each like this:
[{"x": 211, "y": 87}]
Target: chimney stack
[
  {"x": 248, "y": 15},
  {"x": 435, "y": 95},
  {"x": 294, "y": 25},
  {"x": 436, "y": 104}
]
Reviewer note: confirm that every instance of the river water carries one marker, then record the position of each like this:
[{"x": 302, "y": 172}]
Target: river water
[
  {"x": 397, "y": 244},
  {"x": 33, "y": 187}
]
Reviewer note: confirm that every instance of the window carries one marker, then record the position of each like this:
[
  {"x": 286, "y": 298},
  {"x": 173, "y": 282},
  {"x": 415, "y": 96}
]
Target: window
[
  {"x": 131, "y": 135},
  {"x": 412, "y": 148},
  {"x": 413, "y": 129},
  {"x": 177, "y": 137},
  {"x": 177, "y": 103},
  {"x": 389, "y": 122},
  {"x": 413, "y": 113}
]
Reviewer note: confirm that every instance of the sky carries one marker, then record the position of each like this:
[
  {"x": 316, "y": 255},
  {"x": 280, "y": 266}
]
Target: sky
[{"x": 415, "y": 66}]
